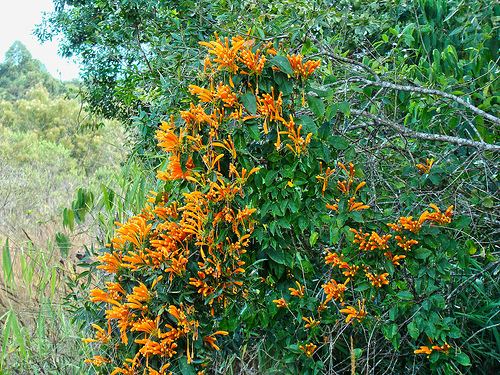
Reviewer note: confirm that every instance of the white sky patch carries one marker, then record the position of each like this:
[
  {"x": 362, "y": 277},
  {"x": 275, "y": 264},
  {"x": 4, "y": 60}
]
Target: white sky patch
[{"x": 17, "y": 21}]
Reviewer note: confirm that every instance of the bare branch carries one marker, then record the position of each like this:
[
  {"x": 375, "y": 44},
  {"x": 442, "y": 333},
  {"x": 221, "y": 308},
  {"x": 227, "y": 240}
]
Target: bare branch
[
  {"x": 403, "y": 130},
  {"x": 423, "y": 90}
]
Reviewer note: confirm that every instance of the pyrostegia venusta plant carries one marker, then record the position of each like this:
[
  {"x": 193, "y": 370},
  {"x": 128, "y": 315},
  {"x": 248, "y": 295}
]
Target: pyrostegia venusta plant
[
  {"x": 178, "y": 264},
  {"x": 249, "y": 239}
]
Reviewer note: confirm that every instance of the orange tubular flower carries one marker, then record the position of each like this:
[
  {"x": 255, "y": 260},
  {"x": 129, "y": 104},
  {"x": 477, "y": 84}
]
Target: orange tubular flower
[
  {"x": 140, "y": 294},
  {"x": 334, "y": 259},
  {"x": 308, "y": 350},
  {"x": 350, "y": 271},
  {"x": 335, "y": 291},
  {"x": 281, "y": 302},
  {"x": 427, "y": 167},
  {"x": 252, "y": 61},
  {"x": 167, "y": 139},
  {"x": 226, "y": 56},
  {"x": 304, "y": 70},
  {"x": 378, "y": 280},
  {"x": 423, "y": 350},
  {"x": 270, "y": 108},
  {"x": 110, "y": 262},
  {"x": 411, "y": 225},
  {"x": 100, "y": 336},
  {"x": 210, "y": 340},
  {"x": 356, "y": 206},
  {"x": 394, "y": 259},
  {"x": 405, "y": 244},
  {"x": 297, "y": 292},
  {"x": 438, "y": 217},
  {"x": 352, "y": 313},
  {"x": 311, "y": 323},
  {"x": 443, "y": 348},
  {"x": 300, "y": 144},
  {"x": 97, "y": 360},
  {"x": 351, "y": 171},
  {"x": 324, "y": 178}
]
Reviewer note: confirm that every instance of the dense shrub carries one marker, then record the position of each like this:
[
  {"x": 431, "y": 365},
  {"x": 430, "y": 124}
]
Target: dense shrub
[{"x": 264, "y": 241}]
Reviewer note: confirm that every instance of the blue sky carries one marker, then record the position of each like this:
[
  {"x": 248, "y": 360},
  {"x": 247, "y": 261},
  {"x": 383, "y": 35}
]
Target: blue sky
[{"x": 17, "y": 21}]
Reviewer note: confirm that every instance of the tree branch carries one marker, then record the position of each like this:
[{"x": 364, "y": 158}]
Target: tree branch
[
  {"x": 423, "y": 90},
  {"x": 403, "y": 130}
]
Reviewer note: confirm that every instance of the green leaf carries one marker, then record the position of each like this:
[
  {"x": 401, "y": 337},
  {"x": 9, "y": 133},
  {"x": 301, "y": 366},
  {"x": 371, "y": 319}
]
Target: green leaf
[
  {"x": 344, "y": 108},
  {"x": 282, "y": 63},
  {"x": 250, "y": 102},
  {"x": 270, "y": 177},
  {"x": 8, "y": 271},
  {"x": 462, "y": 222},
  {"x": 331, "y": 111},
  {"x": 254, "y": 132},
  {"x": 338, "y": 142},
  {"x": 316, "y": 105},
  {"x": 422, "y": 253},
  {"x": 413, "y": 330},
  {"x": 463, "y": 359},
  {"x": 405, "y": 295},
  {"x": 313, "y": 238}
]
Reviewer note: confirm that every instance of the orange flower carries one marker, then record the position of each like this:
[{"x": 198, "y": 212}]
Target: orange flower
[
  {"x": 335, "y": 291},
  {"x": 334, "y": 259},
  {"x": 252, "y": 61},
  {"x": 443, "y": 348},
  {"x": 210, "y": 340},
  {"x": 167, "y": 139},
  {"x": 350, "y": 271},
  {"x": 351, "y": 171},
  {"x": 297, "y": 292},
  {"x": 378, "y": 280},
  {"x": 97, "y": 360},
  {"x": 101, "y": 335},
  {"x": 270, "y": 108},
  {"x": 352, "y": 313},
  {"x": 411, "y": 225},
  {"x": 280, "y": 302},
  {"x": 328, "y": 173},
  {"x": 299, "y": 143},
  {"x": 304, "y": 70},
  {"x": 438, "y": 217},
  {"x": 140, "y": 294},
  {"x": 427, "y": 167},
  {"x": 111, "y": 262},
  {"x": 308, "y": 350},
  {"x": 394, "y": 259},
  {"x": 311, "y": 323},
  {"x": 226, "y": 56},
  {"x": 405, "y": 244},
  {"x": 356, "y": 206},
  {"x": 423, "y": 350}
]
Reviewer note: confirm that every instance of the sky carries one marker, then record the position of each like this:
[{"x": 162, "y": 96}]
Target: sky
[{"x": 17, "y": 21}]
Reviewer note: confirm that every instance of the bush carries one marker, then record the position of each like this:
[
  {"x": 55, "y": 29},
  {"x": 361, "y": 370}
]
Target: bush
[{"x": 250, "y": 256}]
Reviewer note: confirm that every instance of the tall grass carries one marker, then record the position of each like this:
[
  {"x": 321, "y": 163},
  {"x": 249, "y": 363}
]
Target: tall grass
[{"x": 36, "y": 336}]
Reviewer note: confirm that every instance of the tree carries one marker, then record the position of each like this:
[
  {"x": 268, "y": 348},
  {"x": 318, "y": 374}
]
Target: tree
[{"x": 20, "y": 72}]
